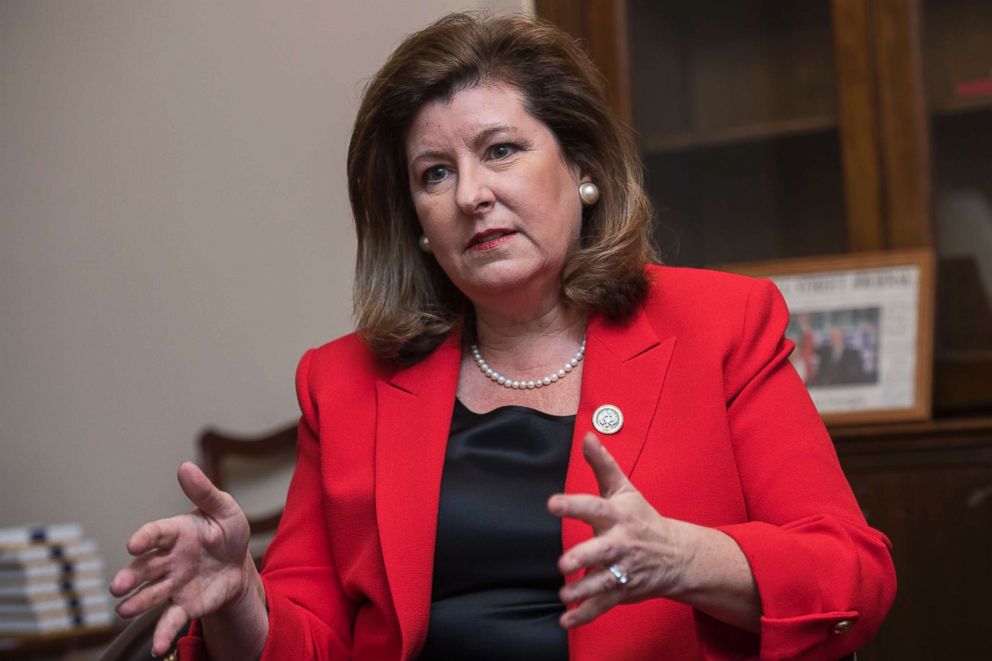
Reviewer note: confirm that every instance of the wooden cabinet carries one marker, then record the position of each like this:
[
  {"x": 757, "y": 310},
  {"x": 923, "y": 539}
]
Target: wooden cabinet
[
  {"x": 782, "y": 128},
  {"x": 773, "y": 129},
  {"x": 794, "y": 113}
]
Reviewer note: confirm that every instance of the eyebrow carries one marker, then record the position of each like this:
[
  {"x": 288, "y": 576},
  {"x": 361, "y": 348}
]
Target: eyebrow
[
  {"x": 484, "y": 135},
  {"x": 480, "y": 139}
]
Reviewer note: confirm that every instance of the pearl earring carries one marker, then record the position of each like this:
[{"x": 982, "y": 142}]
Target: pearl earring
[
  {"x": 589, "y": 193},
  {"x": 425, "y": 244}
]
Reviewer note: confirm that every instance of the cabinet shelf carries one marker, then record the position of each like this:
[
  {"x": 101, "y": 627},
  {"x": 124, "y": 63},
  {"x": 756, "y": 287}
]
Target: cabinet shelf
[
  {"x": 961, "y": 105},
  {"x": 674, "y": 143}
]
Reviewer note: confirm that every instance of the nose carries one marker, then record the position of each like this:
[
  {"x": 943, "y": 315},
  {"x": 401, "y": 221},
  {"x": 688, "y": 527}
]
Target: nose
[{"x": 473, "y": 193}]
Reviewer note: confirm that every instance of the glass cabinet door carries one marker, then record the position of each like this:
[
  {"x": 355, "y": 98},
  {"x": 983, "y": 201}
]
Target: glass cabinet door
[
  {"x": 735, "y": 107},
  {"x": 957, "y": 69}
]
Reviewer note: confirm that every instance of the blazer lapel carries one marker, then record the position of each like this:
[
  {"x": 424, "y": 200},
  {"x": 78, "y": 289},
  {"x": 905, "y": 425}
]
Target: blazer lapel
[
  {"x": 625, "y": 365},
  {"x": 413, "y": 420}
]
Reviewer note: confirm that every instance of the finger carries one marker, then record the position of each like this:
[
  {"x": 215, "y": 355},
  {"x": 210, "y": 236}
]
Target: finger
[
  {"x": 148, "y": 567},
  {"x": 592, "y": 584},
  {"x": 594, "y": 510},
  {"x": 201, "y": 491},
  {"x": 610, "y": 478},
  {"x": 595, "y": 552},
  {"x": 159, "y": 534},
  {"x": 148, "y": 596},
  {"x": 590, "y": 609},
  {"x": 168, "y": 626}
]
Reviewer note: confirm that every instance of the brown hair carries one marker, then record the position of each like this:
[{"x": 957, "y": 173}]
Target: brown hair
[{"x": 404, "y": 303}]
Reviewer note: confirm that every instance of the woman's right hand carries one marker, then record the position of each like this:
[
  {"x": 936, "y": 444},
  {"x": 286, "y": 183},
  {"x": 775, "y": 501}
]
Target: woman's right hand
[{"x": 198, "y": 562}]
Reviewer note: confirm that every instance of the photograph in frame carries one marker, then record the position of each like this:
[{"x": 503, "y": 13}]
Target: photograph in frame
[{"x": 862, "y": 326}]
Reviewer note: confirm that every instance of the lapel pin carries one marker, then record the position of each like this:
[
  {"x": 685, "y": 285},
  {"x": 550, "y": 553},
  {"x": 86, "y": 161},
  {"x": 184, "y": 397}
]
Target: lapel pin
[{"x": 607, "y": 419}]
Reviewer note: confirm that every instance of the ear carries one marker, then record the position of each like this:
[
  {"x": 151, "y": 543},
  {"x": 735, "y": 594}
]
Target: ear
[
  {"x": 575, "y": 170},
  {"x": 579, "y": 175}
]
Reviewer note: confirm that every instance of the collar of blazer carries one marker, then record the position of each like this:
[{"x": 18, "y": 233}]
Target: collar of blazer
[{"x": 625, "y": 365}]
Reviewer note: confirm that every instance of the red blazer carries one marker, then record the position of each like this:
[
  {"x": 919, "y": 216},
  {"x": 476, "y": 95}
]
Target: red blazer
[{"x": 718, "y": 430}]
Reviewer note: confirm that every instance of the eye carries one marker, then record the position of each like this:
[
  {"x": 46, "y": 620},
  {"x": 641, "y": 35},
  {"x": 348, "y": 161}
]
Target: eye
[
  {"x": 503, "y": 150},
  {"x": 435, "y": 174}
]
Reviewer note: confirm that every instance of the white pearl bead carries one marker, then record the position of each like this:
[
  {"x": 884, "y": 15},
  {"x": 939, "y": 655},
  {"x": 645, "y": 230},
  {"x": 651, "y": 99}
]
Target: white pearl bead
[{"x": 554, "y": 377}]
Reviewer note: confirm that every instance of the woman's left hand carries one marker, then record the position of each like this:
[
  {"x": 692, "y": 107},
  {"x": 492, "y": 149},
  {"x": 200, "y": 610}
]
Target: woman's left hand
[{"x": 629, "y": 533}]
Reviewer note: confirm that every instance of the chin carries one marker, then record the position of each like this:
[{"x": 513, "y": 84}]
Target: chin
[{"x": 504, "y": 279}]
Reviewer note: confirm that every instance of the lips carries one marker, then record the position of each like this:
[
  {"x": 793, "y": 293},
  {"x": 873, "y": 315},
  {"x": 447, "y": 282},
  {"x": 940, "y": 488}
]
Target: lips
[{"x": 489, "y": 238}]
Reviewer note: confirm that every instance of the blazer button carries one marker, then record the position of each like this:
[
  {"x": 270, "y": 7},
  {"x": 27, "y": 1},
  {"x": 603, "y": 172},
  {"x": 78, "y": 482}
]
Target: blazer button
[{"x": 842, "y": 627}]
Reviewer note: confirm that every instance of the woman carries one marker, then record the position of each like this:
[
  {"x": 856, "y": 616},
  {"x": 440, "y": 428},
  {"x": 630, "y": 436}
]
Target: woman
[{"x": 506, "y": 311}]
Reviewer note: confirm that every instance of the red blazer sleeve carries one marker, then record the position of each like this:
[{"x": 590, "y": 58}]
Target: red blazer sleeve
[
  {"x": 825, "y": 578},
  {"x": 310, "y": 617}
]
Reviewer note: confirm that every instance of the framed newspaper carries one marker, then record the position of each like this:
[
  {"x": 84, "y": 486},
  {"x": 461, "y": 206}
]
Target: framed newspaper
[{"x": 862, "y": 325}]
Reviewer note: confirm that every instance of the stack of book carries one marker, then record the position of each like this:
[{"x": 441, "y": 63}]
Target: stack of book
[{"x": 51, "y": 580}]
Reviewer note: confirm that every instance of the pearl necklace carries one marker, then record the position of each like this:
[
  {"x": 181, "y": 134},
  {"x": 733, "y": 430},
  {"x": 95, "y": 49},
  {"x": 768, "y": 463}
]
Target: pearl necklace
[{"x": 537, "y": 383}]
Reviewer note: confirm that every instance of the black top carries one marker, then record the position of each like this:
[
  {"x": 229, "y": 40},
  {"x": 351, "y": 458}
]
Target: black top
[{"x": 496, "y": 578}]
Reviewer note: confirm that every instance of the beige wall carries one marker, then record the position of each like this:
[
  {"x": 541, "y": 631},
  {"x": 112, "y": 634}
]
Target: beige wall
[{"x": 175, "y": 232}]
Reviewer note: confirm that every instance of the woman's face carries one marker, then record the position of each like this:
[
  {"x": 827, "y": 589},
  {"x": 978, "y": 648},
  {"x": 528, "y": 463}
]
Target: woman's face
[{"x": 493, "y": 192}]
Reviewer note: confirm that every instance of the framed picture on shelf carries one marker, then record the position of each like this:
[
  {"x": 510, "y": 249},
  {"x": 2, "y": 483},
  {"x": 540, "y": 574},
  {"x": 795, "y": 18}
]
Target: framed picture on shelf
[{"x": 863, "y": 329}]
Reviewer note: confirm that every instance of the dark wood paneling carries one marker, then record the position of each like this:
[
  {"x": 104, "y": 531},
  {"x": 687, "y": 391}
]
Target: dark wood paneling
[{"x": 928, "y": 486}]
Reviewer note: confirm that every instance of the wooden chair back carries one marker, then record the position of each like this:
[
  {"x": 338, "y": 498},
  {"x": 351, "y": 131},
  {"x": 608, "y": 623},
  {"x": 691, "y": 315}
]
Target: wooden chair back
[{"x": 216, "y": 448}]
